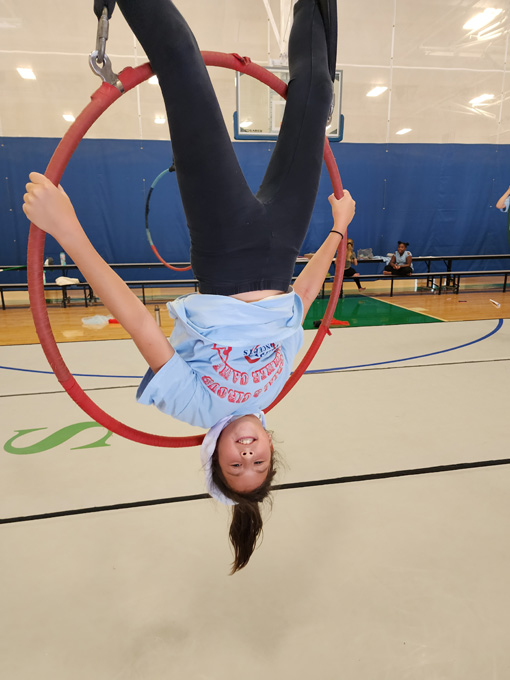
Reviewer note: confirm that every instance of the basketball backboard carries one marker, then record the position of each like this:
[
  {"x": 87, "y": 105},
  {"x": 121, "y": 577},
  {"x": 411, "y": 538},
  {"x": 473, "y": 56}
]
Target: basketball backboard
[{"x": 260, "y": 110}]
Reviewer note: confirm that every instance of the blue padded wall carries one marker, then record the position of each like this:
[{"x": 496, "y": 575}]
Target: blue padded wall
[{"x": 440, "y": 198}]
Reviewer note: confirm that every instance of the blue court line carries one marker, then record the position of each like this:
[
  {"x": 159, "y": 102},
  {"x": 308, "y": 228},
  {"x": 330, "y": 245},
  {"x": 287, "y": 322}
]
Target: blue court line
[
  {"x": 418, "y": 356},
  {"x": 76, "y": 375},
  {"x": 319, "y": 370}
]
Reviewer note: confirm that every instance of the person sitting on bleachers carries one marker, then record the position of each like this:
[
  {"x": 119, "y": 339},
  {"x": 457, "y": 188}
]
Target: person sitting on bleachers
[{"x": 400, "y": 263}]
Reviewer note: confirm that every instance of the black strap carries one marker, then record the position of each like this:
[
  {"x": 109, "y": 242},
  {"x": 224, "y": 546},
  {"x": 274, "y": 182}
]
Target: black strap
[{"x": 99, "y": 5}]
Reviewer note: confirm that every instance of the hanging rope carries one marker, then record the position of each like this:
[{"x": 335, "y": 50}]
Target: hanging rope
[{"x": 100, "y": 101}]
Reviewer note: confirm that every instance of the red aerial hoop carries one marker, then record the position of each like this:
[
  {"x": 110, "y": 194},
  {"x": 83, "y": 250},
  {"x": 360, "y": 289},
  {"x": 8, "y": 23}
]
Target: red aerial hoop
[{"x": 100, "y": 101}]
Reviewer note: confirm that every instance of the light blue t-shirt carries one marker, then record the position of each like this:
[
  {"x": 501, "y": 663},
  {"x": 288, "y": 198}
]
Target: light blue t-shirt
[
  {"x": 402, "y": 259},
  {"x": 231, "y": 357}
]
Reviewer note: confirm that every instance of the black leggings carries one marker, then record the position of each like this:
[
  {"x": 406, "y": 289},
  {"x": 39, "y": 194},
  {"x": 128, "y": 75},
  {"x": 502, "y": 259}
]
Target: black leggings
[
  {"x": 404, "y": 270},
  {"x": 239, "y": 241},
  {"x": 349, "y": 274}
]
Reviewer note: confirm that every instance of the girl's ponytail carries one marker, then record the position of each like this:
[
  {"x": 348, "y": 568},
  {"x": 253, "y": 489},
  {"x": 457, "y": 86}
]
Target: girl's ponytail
[{"x": 245, "y": 528}]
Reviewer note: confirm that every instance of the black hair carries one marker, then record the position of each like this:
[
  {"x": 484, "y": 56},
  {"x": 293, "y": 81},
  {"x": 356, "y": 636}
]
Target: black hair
[{"x": 246, "y": 524}]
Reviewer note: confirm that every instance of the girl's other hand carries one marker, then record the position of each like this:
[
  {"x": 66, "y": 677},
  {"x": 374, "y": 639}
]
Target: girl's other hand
[
  {"x": 48, "y": 206},
  {"x": 343, "y": 209}
]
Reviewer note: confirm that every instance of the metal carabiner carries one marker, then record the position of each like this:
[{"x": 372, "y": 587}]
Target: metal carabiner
[
  {"x": 98, "y": 60},
  {"x": 104, "y": 70},
  {"x": 102, "y": 35}
]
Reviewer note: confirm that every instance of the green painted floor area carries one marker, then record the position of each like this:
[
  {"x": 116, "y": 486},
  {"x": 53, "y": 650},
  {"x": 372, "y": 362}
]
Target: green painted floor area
[{"x": 360, "y": 310}]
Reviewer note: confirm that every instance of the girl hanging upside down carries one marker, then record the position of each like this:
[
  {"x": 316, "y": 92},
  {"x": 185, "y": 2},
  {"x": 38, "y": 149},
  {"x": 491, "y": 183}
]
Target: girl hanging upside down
[{"x": 233, "y": 344}]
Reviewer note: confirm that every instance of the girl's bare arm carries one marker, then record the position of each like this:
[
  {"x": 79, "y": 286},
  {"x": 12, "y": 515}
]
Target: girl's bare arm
[
  {"x": 501, "y": 202},
  {"x": 51, "y": 210},
  {"x": 309, "y": 282}
]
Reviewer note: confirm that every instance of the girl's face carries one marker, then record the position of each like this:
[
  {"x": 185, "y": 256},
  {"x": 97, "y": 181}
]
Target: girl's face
[
  {"x": 401, "y": 248},
  {"x": 244, "y": 453}
]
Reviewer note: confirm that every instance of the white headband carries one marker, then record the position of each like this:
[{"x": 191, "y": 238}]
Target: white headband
[{"x": 206, "y": 453}]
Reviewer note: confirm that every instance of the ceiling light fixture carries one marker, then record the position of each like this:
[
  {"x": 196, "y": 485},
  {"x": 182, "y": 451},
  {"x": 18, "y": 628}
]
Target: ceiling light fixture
[
  {"x": 376, "y": 91},
  {"x": 490, "y": 28},
  {"x": 404, "y": 131},
  {"x": 160, "y": 120},
  {"x": 482, "y": 19},
  {"x": 68, "y": 117},
  {"x": 481, "y": 99},
  {"x": 10, "y": 23},
  {"x": 489, "y": 36},
  {"x": 26, "y": 73}
]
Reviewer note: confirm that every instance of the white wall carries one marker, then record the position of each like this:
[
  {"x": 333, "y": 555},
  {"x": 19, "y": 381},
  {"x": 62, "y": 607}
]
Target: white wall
[{"x": 418, "y": 48}]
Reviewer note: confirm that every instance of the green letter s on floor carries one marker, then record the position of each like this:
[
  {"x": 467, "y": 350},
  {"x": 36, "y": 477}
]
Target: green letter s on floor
[{"x": 55, "y": 439}]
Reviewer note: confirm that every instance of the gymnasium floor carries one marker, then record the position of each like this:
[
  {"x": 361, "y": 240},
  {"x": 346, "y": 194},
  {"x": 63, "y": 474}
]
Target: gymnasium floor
[{"x": 368, "y": 573}]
